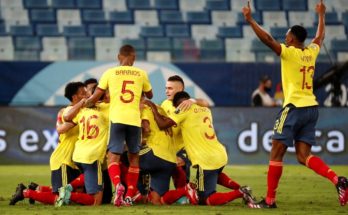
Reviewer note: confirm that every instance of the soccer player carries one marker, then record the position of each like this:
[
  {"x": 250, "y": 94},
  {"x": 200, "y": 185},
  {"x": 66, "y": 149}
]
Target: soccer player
[
  {"x": 125, "y": 84},
  {"x": 296, "y": 121},
  {"x": 63, "y": 169},
  {"x": 91, "y": 83},
  {"x": 89, "y": 155},
  {"x": 206, "y": 153},
  {"x": 158, "y": 158}
]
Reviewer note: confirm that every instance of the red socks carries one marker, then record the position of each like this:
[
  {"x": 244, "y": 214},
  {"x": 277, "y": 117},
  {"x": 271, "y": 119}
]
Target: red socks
[
  {"x": 132, "y": 180},
  {"x": 43, "y": 197},
  {"x": 318, "y": 166},
  {"x": 179, "y": 177},
  {"x": 226, "y": 181},
  {"x": 223, "y": 198},
  {"x": 82, "y": 198},
  {"x": 275, "y": 170},
  {"x": 173, "y": 195},
  {"x": 78, "y": 182},
  {"x": 45, "y": 188},
  {"x": 114, "y": 173}
]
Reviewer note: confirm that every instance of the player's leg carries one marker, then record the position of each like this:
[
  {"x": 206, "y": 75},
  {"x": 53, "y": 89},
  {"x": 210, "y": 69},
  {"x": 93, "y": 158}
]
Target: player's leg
[
  {"x": 115, "y": 149},
  {"x": 133, "y": 140},
  {"x": 228, "y": 182}
]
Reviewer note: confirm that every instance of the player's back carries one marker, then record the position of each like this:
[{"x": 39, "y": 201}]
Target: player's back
[
  {"x": 125, "y": 84},
  {"x": 298, "y": 66},
  {"x": 65, "y": 148}
]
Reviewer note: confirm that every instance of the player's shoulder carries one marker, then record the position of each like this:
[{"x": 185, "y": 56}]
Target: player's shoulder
[{"x": 313, "y": 46}]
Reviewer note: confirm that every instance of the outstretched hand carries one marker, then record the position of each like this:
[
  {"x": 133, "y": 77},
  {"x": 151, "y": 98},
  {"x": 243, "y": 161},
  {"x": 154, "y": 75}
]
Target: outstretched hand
[
  {"x": 320, "y": 8},
  {"x": 247, "y": 12}
]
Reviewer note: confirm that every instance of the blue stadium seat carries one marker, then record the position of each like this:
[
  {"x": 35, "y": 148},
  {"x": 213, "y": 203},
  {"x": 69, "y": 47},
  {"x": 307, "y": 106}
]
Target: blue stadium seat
[
  {"x": 27, "y": 55},
  {"x": 184, "y": 43},
  {"x": 89, "y": 4},
  {"x": 35, "y": 4},
  {"x": 331, "y": 18},
  {"x": 279, "y": 33},
  {"x": 138, "y": 44},
  {"x": 339, "y": 45},
  {"x": 345, "y": 21},
  {"x": 159, "y": 44},
  {"x": 184, "y": 49},
  {"x": 93, "y": 16},
  {"x": 194, "y": 17},
  {"x": 74, "y": 31},
  {"x": 258, "y": 46},
  {"x": 47, "y": 30},
  {"x": 311, "y": 32},
  {"x": 27, "y": 43},
  {"x": 171, "y": 17},
  {"x": 81, "y": 48},
  {"x": 100, "y": 30},
  {"x": 256, "y": 15},
  {"x": 121, "y": 17},
  {"x": 138, "y": 4},
  {"x": 269, "y": 5},
  {"x": 212, "y": 50},
  {"x": 42, "y": 16},
  {"x": 177, "y": 31},
  {"x": 266, "y": 56},
  {"x": 232, "y": 32},
  {"x": 217, "y": 5},
  {"x": 21, "y": 30},
  {"x": 295, "y": 5},
  {"x": 63, "y": 4},
  {"x": 166, "y": 4},
  {"x": 2, "y": 29},
  {"x": 151, "y": 31}
]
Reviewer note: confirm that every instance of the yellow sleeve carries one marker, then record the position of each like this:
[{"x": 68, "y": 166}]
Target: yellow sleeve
[
  {"x": 145, "y": 114},
  {"x": 103, "y": 82},
  {"x": 147, "y": 85},
  {"x": 315, "y": 48},
  {"x": 177, "y": 118},
  {"x": 285, "y": 51},
  {"x": 76, "y": 118}
]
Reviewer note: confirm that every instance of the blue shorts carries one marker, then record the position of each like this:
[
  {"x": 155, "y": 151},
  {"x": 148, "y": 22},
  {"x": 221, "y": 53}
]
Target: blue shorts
[
  {"x": 207, "y": 181},
  {"x": 93, "y": 176},
  {"x": 63, "y": 176},
  {"x": 120, "y": 134},
  {"x": 297, "y": 124},
  {"x": 160, "y": 171}
]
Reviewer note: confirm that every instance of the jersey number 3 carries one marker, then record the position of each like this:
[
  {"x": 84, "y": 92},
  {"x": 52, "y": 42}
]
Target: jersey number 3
[{"x": 310, "y": 71}]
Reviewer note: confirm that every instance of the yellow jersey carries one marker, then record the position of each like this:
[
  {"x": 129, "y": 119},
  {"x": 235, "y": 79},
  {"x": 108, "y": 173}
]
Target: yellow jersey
[
  {"x": 159, "y": 141},
  {"x": 93, "y": 124},
  {"x": 297, "y": 67},
  {"x": 169, "y": 109},
  {"x": 62, "y": 154},
  {"x": 125, "y": 84},
  {"x": 200, "y": 141}
]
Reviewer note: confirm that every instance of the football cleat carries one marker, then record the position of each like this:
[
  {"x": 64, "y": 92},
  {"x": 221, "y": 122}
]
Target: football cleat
[
  {"x": 119, "y": 191},
  {"x": 127, "y": 201},
  {"x": 18, "y": 195},
  {"x": 64, "y": 195},
  {"x": 191, "y": 193},
  {"x": 262, "y": 204},
  {"x": 341, "y": 188},
  {"x": 32, "y": 186},
  {"x": 247, "y": 195}
]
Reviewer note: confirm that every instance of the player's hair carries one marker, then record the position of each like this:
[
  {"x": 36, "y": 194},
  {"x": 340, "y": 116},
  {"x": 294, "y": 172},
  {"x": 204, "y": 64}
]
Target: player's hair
[
  {"x": 265, "y": 78},
  {"x": 179, "y": 96},
  {"x": 176, "y": 78},
  {"x": 91, "y": 81},
  {"x": 127, "y": 50},
  {"x": 72, "y": 88},
  {"x": 300, "y": 32}
]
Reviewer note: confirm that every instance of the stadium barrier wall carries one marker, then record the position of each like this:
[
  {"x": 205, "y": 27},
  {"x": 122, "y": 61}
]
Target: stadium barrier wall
[
  {"x": 28, "y": 136},
  {"x": 222, "y": 84}
]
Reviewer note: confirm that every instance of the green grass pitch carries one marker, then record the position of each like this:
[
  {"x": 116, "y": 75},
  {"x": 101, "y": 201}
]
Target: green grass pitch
[{"x": 300, "y": 192}]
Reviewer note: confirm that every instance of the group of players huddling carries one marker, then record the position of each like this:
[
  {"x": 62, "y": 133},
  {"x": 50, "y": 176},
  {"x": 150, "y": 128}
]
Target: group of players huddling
[{"x": 112, "y": 137}]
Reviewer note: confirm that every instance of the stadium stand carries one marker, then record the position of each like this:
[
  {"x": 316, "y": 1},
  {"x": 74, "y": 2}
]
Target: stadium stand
[{"x": 156, "y": 26}]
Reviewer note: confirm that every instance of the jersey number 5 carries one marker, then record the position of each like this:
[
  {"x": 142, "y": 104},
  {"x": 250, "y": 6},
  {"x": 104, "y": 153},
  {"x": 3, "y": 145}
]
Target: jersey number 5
[
  {"x": 307, "y": 70},
  {"x": 127, "y": 95},
  {"x": 88, "y": 127}
]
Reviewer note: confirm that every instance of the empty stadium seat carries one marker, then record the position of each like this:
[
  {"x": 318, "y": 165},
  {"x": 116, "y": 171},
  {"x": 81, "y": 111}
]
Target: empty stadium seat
[
  {"x": 121, "y": 17},
  {"x": 158, "y": 56},
  {"x": 237, "y": 5},
  {"x": 42, "y": 16},
  {"x": 67, "y": 17},
  {"x": 54, "y": 48},
  {"x": 177, "y": 31},
  {"x": 279, "y": 33},
  {"x": 127, "y": 31},
  {"x": 268, "y": 5},
  {"x": 231, "y": 32},
  {"x": 6, "y": 48},
  {"x": 138, "y": 4},
  {"x": 27, "y": 43},
  {"x": 191, "y": 5},
  {"x": 158, "y": 44},
  {"x": 339, "y": 45},
  {"x": 138, "y": 44},
  {"x": 301, "y": 18},
  {"x": 258, "y": 46},
  {"x": 238, "y": 44},
  {"x": 93, "y": 16},
  {"x": 170, "y": 17},
  {"x": 256, "y": 15},
  {"x": 199, "y": 32},
  {"x": 294, "y": 5},
  {"x": 184, "y": 49},
  {"x": 107, "y": 48},
  {"x": 21, "y": 30},
  {"x": 266, "y": 56},
  {"x": 47, "y": 30},
  {"x": 331, "y": 18},
  {"x": 113, "y": 5},
  {"x": 201, "y": 17},
  {"x": 100, "y": 30},
  {"x": 26, "y": 55},
  {"x": 74, "y": 31},
  {"x": 224, "y": 18},
  {"x": 275, "y": 18},
  {"x": 217, "y": 5},
  {"x": 146, "y": 17},
  {"x": 11, "y": 4},
  {"x": 212, "y": 50},
  {"x": 3, "y": 31},
  {"x": 63, "y": 4},
  {"x": 35, "y": 4},
  {"x": 151, "y": 31},
  {"x": 239, "y": 56},
  {"x": 88, "y": 4},
  {"x": 342, "y": 57},
  {"x": 166, "y": 4},
  {"x": 81, "y": 48}
]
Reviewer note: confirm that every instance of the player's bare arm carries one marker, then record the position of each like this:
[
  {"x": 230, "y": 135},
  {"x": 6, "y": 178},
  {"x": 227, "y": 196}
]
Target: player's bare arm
[
  {"x": 69, "y": 115},
  {"x": 162, "y": 121},
  {"x": 263, "y": 35},
  {"x": 149, "y": 94},
  {"x": 94, "y": 98},
  {"x": 319, "y": 37},
  {"x": 62, "y": 126}
]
